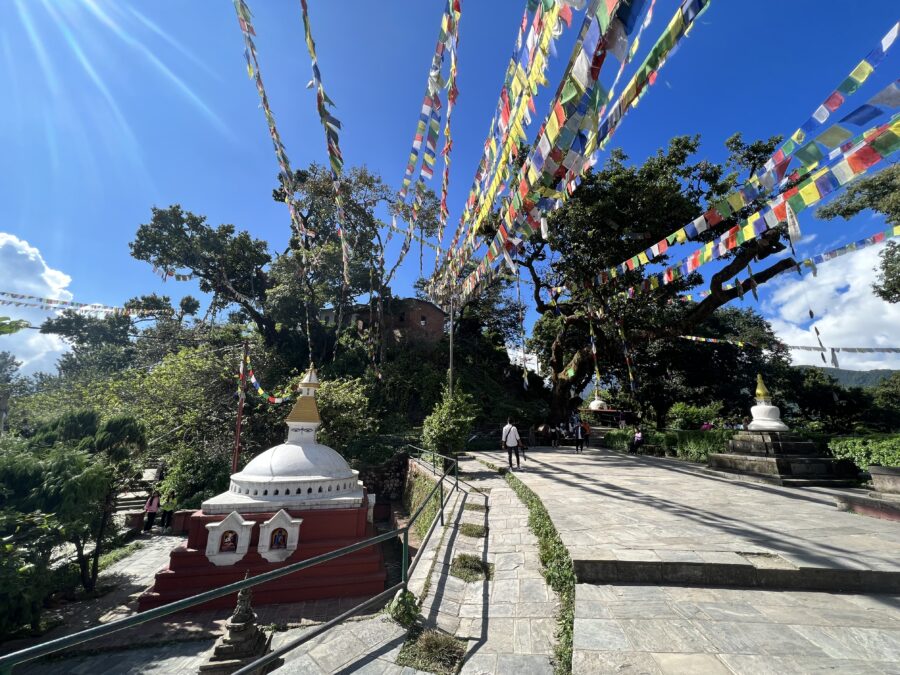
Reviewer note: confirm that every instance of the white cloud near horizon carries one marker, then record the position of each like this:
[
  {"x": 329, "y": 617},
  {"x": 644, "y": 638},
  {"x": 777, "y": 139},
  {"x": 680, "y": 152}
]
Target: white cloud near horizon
[
  {"x": 847, "y": 312},
  {"x": 24, "y": 270}
]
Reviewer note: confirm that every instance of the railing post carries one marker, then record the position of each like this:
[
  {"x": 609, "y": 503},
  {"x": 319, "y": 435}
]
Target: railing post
[
  {"x": 441, "y": 493},
  {"x": 404, "y": 561},
  {"x": 456, "y": 474}
]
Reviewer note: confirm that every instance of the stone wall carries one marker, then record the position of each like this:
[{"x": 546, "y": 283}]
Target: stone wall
[{"x": 386, "y": 480}]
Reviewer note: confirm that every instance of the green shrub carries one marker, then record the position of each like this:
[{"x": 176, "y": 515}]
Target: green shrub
[
  {"x": 867, "y": 451},
  {"x": 687, "y": 416},
  {"x": 695, "y": 446},
  {"x": 346, "y": 414},
  {"x": 447, "y": 428},
  {"x": 620, "y": 439}
]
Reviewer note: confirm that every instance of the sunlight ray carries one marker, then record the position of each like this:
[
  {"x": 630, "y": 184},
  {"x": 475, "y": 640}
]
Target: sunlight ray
[{"x": 136, "y": 44}]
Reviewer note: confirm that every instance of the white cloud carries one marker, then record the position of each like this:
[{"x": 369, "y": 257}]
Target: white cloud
[
  {"x": 24, "y": 270},
  {"x": 847, "y": 312}
]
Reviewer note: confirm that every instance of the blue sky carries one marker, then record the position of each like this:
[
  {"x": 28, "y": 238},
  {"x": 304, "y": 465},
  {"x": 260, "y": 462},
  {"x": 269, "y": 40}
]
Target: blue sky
[{"x": 110, "y": 108}]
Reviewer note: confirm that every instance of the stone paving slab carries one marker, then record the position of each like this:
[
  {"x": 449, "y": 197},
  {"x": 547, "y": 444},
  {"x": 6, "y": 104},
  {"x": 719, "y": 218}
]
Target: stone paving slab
[
  {"x": 645, "y": 515},
  {"x": 509, "y": 621},
  {"x": 676, "y": 629}
]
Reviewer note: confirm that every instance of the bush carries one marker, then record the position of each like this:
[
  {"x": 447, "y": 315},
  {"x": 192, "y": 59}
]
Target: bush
[
  {"x": 346, "y": 417},
  {"x": 447, "y": 428},
  {"x": 868, "y": 450},
  {"x": 695, "y": 446},
  {"x": 432, "y": 651},
  {"x": 620, "y": 439},
  {"x": 686, "y": 416}
]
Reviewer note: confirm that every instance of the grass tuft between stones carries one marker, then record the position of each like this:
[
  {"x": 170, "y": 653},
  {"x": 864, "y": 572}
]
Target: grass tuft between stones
[
  {"x": 470, "y": 567},
  {"x": 475, "y": 506},
  {"x": 432, "y": 651},
  {"x": 473, "y": 530}
]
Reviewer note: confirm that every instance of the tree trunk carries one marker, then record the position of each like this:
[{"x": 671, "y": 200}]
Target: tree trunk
[
  {"x": 101, "y": 530},
  {"x": 86, "y": 582}
]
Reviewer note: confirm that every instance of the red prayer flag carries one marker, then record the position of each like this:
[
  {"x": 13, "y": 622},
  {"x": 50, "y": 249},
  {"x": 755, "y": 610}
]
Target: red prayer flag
[
  {"x": 863, "y": 158},
  {"x": 834, "y": 101}
]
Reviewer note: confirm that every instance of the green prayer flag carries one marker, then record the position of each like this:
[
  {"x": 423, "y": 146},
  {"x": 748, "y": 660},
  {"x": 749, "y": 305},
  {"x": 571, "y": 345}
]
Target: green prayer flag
[
  {"x": 809, "y": 154},
  {"x": 834, "y": 136}
]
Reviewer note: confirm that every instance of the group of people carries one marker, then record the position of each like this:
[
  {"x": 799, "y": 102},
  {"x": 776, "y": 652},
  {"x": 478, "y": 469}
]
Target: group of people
[
  {"x": 575, "y": 428},
  {"x": 165, "y": 507}
]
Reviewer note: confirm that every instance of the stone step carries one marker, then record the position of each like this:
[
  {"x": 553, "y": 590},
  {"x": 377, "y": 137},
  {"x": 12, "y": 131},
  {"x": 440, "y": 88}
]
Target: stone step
[{"x": 736, "y": 570}]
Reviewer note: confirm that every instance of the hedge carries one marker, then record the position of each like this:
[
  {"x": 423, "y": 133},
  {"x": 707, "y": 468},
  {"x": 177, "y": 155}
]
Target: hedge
[
  {"x": 693, "y": 446},
  {"x": 868, "y": 451}
]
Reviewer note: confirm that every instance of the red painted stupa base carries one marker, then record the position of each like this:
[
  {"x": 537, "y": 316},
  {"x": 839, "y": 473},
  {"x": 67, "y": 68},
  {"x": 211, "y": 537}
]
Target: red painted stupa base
[{"x": 323, "y": 530}]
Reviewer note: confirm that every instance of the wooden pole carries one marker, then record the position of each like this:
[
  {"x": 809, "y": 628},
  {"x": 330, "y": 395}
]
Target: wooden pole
[{"x": 242, "y": 394}]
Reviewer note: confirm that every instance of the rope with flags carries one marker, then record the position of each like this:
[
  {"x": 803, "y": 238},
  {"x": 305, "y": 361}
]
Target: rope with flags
[
  {"x": 257, "y": 387},
  {"x": 331, "y": 125}
]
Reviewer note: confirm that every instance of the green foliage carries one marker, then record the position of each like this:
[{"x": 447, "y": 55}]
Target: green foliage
[
  {"x": 432, "y": 651},
  {"x": 469, "y": 567},
  {"x": 9, "y": 326},
  {"x": 557, "y": 568},
  {"x": 415, "y": 493},
  {"x": 868, "y": 451},
  {"x": 473, "y": 530},
  {"x": 110, "y": 558},
  {"x": 619, "y": 439},
  {"x": 449, "y": 425},
  {"x": 695, "y": 446},
  {"x": 403, "y": 608},
  {"x": 344, "y": 408},
  {"x": 686, "y": 416},
  {"x": 476, "y": 506}
]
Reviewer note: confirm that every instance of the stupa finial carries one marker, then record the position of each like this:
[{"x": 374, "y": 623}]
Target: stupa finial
[{"x": 762, "y": 392}]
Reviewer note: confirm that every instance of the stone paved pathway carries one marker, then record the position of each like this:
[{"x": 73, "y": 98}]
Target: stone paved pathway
[
  {"x": 509, "y": 622},
  {"x": 605, "y": 504}
]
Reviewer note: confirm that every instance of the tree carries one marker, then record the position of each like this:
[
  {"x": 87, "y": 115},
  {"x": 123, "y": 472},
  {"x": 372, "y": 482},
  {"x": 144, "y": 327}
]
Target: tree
[
  {"x": 880, "y": 193},
  {"x": 344, "y": 407},
  {"x": 83, "y": 469},
  {"x": 448, "y": 426},
  {"x": 615, "y": 211}
]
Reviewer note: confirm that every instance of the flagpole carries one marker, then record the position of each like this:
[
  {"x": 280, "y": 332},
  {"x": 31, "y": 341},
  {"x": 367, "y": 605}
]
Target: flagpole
[
  {"x": 242, "y": 394},
  {"x": 451, "y": 345}
]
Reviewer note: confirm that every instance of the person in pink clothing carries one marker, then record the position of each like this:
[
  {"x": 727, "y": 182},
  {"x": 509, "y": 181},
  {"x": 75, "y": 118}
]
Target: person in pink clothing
[{"x": 151, "y": 508}]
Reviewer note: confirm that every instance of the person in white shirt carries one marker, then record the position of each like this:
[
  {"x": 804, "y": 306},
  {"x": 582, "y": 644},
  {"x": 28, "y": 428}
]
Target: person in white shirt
[{"x": 510, "y": 440}]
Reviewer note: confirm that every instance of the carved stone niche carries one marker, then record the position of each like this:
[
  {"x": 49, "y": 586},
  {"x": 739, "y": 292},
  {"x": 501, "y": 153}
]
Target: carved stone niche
[
  {"x": 228, "y": 540},
  {"x": 279, "y": 536}
]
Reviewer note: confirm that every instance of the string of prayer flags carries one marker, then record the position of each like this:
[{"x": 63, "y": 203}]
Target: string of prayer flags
[
  {"x": 287, "y": 175},
  {"x": 331, "y": 125},
  {"x": 836, "y": 99},
  {"x": 258, "y": 388},
  {"x": 800, "y": 197},
  {"x": 452, "y": 94},
  {"x": 884, "y": 138},
  {"x": 428, "y": 126},
  {"x": 569, "y": 154},
  {"x": 815, "y": 261},
  {"x": 55, "y": 304},
  {"x": 737, "y": 343}
]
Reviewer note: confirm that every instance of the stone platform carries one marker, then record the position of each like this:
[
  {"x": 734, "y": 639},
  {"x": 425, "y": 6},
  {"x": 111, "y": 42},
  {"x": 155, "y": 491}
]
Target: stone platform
[
  {"x": 629, "y": 519},
  {"x": 783, "y": 458}
]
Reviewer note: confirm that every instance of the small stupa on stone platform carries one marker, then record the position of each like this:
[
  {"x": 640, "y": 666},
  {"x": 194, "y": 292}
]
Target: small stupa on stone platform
[
  {"x": 768, "y": 450},
  {"x": 295, "y": 501},
  {"x": 242, "y": 643}
]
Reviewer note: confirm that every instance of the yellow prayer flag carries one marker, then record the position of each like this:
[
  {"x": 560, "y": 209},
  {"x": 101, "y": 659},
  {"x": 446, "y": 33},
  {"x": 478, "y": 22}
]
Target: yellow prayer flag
[
  {"x": 736, "y": 200},
  {"x": 681, "y": 236},
  {"x": 798, "y": 136},
  {"x": 753, "y": 218},
  {"x": 642, "y": 258},
  {"x": 810, "y": 193},
  {"x": 862, "y": 71},
  {"x": 552, "y": 128},
  {"x": 748, "y": 232},
  {"x": 533, "y": 175}
]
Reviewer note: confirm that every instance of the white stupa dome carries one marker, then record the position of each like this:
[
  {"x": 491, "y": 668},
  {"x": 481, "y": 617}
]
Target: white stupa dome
[
  {"x": 598, "y": 404},
  {"x": 298, "y": 474}
]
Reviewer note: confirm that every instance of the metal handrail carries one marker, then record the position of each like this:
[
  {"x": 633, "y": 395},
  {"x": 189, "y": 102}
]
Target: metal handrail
[{"x": 8, "y": 661}]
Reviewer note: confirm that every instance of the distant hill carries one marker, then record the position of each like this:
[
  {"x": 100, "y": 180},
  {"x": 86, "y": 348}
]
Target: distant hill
[{"x": 855, "y": 378}]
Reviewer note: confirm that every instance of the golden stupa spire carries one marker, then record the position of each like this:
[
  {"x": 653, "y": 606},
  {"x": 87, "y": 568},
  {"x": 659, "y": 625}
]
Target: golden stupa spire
[
  {"x": 305, "y": 408},
  {"x": 762, "y": 392}
]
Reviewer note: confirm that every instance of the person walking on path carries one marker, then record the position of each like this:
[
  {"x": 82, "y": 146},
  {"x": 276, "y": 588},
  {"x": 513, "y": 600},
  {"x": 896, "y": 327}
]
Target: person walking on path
[
  {"x": 151, "y": 508},
  {"x": 167, "y": 508},
  {"x": 510, "y": 441}
]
